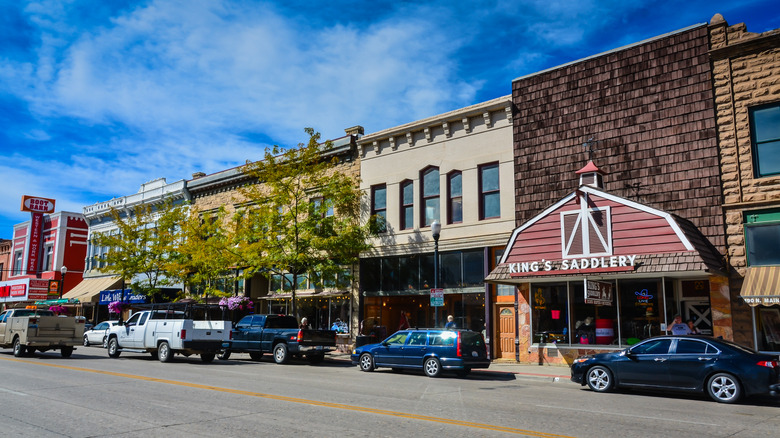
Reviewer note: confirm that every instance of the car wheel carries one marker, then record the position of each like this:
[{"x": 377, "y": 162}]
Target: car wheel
[
  {"x": 280, "y": 353},
  {"x": 86, "y": 341},
  {"x": 599, "y": 379},
  {"x": 724, "y": 388},
  {"x": 19, "y": 349},
  {"x": 207, "y": 357},
  {"x": 366, "y": 362},
  {"x": 105, "y": 342},
  {"x": 164, "y": 352},
  {"x": 255, "y": 355},
  {"x": 66, "y": 352},
  {"x": 113, "y": 348},
  {"x": 224, "y": 355},
  {"x": 432, "y": 367}
]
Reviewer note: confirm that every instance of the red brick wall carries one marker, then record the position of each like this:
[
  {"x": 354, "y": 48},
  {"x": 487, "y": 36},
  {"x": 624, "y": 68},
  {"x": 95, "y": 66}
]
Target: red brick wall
[{"x": 650, "y": 107}]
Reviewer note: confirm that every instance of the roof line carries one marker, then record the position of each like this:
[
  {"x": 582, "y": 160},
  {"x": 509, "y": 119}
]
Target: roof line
[{"x": 618, "y": 49}]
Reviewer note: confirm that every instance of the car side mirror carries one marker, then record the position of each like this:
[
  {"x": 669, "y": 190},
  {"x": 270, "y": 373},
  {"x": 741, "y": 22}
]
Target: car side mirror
[{"x": 385, "y": 343}]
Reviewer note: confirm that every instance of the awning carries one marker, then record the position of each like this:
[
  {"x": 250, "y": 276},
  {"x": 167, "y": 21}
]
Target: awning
[
  {"x": 322, "y": 294},
  {"x": 761, "y": 286},
  {"x": 89, "y": 288}
]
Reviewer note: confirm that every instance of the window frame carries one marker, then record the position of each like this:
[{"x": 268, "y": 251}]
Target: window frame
[
  {"x": 483, "y": 194},
  {"x": 451, "y": 198},
  {"x": 424, "y": 199},
  {"x": 404, "y": 207},
  {"x": 379, "y": 211},
  {"x": 755, "y": 143}
]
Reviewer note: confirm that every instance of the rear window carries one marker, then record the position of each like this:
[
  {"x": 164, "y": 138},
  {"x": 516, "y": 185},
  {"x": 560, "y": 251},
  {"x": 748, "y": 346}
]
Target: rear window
[
  {"x": 285, "y": 322},
  {"x": 471, "y": 339},
  {"x": 446, "y": 338}
]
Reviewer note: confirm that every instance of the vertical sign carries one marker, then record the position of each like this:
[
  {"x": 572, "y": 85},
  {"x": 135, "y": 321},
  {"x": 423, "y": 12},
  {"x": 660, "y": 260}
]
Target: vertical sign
[
  {"x": 36, "y": 229},
  {"x": 37, "y": 207}
]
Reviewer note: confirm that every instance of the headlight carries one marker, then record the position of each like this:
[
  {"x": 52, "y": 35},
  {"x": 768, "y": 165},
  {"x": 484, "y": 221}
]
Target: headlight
[{"x": 582, "y": 359}]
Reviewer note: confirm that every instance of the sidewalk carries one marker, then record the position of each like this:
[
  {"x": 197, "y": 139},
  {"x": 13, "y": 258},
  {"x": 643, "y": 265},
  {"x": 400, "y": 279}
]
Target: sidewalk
[{"x": 552, "y": 373}]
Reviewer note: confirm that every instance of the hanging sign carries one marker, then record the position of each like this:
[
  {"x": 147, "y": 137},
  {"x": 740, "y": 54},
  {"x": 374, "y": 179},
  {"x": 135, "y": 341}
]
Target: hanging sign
[
  {"x": 35, "y": 204},
  {"x": 598, "y": 292}
]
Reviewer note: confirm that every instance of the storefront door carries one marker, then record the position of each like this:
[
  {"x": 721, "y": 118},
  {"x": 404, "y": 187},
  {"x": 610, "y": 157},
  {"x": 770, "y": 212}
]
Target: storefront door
[{"x": 506, "y": 335}]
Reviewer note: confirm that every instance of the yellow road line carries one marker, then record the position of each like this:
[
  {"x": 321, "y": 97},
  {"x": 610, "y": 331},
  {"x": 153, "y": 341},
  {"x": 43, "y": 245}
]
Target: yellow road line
[{"x": 409, "y": 416}]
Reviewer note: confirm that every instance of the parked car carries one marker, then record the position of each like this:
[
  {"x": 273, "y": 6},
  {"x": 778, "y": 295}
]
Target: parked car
[
  {"x": 98, "y": 334},
  {"x": 280, "y": 336},
  {"x": 724, "y": 370},
  {"x": 431, "y": 350}
]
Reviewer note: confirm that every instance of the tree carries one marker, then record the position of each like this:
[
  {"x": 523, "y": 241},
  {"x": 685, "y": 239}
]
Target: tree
[
  {"x": 142, "y": 244},
  {"x": 205, "y": 251},
  {"x": 287, "y": 227}
]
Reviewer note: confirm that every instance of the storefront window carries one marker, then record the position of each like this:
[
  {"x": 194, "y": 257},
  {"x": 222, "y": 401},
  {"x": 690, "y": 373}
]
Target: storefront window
[
  {"x": 768, "y": 328},
  {"x": 593, "y": 323},
  {"x": 550, "y": 313},
  {"x": 641, "y": 307}
]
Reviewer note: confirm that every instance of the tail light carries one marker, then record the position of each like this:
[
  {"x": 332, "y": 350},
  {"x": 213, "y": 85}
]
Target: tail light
[
  {"x": 183, "y": 333},
  {"x": 768, "y": 363},
  {"x": 300, "y": 335},
  {"x": 231, "y": 335},
  {"x": 79, "y": 321},
  {"x": 458, "y": 353}
]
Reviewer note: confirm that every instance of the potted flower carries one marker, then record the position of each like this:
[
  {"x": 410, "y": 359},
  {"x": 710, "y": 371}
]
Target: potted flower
[
  {"x": 59, "y": 310},
  {"x": 116, "y": 307}
]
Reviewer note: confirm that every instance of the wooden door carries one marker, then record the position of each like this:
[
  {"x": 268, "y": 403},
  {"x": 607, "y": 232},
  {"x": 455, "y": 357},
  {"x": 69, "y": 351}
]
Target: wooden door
[{"x": 506, "y": 335}]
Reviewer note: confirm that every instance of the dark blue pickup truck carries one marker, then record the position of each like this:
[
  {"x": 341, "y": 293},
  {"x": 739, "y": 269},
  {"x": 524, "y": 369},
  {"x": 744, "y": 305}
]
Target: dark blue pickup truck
[{"x": 280, "y": 335}]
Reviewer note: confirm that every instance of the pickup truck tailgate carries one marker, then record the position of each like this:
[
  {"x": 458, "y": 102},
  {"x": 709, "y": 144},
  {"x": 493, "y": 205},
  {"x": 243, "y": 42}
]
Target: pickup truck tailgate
[{"x": 326, "y": 338}]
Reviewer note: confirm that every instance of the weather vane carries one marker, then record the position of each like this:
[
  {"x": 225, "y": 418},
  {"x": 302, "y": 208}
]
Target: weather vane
[{"x": 589, "y": 146}]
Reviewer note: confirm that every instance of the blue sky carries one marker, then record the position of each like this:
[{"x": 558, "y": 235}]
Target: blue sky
[{"x": 98, "y": 97}]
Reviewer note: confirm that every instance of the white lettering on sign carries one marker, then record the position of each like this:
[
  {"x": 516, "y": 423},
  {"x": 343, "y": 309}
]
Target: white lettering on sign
[{"x": 573, "y": 264}]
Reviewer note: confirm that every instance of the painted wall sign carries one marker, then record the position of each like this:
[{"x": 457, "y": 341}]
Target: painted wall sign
[
  {"x": 612, "y": 262},
  {"x": 37, "y": 205}
]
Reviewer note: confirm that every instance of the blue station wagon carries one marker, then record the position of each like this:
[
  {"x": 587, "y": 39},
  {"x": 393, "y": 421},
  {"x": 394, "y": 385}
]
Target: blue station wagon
[{"x": 432, "y": 350}]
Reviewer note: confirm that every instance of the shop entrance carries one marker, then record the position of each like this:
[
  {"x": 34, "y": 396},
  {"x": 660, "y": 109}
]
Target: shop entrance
[{"x": 505, "y": 349}]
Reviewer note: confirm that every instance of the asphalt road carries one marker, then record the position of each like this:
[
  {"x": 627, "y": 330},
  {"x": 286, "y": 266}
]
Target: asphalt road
[{"x": 91, "y": 395}]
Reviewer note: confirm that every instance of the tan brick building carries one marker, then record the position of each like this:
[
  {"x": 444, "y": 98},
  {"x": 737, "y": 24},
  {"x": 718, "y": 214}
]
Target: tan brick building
[
  {"x": 321, "y": 307},
  {"x": 746, "y": 77}
]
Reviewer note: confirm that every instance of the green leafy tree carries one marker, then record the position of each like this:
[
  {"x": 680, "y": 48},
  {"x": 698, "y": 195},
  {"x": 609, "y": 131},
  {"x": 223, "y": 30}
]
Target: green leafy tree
[
  {"x": 205, "y": 251},
  {"x": 144, "y": 243},
  {"x": 287, "y": 227}
]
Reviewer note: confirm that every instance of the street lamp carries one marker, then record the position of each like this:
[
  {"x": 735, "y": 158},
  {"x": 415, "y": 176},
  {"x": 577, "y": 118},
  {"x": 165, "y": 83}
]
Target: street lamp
[
  {"x": 436, "y": 230},
  {"x": 63, "y": 271}
]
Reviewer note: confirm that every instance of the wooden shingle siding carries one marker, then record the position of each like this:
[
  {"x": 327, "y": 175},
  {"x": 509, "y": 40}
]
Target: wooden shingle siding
[{"x": 650, "y": 109}]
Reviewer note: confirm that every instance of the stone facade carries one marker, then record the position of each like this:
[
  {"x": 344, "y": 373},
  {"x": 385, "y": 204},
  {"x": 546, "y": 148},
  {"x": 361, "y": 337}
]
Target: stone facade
[{"x": 746, "y": 73}]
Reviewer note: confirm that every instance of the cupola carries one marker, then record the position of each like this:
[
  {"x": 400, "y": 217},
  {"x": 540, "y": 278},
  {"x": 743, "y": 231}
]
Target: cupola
[{"x": 592, "y": 176}]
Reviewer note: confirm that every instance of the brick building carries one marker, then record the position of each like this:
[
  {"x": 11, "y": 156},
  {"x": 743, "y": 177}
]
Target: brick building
[
  {"x": 644, "y": 113},
  {"x": 5, "y": 257},
  {"x": 321, "y": 307},
  {"x": 746, "y": 72},
  {"x": 63, "y": 243}
]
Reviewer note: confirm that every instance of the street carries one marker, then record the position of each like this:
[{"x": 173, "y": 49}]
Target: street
[{"x": 91, "y": 395}]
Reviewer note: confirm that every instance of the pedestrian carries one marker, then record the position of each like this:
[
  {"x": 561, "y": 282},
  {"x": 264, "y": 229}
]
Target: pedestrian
[
  {"x": 677, "y": 327},
  {"x": 304, "y": 324},
  {"x": 692, "y": 327},
  {"x": 450, "y": 322}
]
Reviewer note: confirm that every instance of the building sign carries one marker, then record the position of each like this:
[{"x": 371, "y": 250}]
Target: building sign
[
  {"x": 598, "y": 292},
  {"x": 37, "y": 205},
  {"x": 611, "y": 263},
  {"x": 764, "y": 301},
  {"x": 14, "y": 290},
  {"x": 109, "y": 296},
  {"x": 39, "y": 289},
  {"x": 36, "y": 230},
  {"x": 54, "y": 287},
  {"x": 437, "y": 297}
]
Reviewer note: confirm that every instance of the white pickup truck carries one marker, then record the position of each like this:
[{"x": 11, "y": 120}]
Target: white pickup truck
[
  {"x": 168, "y": 329},
  {"x": 29, "y": 329}
]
